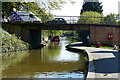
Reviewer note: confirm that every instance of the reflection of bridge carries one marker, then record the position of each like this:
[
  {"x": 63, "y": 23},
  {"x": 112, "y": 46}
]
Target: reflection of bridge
[{"x": 31, "y": 32}]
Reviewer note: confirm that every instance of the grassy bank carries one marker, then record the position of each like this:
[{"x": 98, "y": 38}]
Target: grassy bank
[
  {"x": 105, "y": 47},
  {"x": 10, "y": 42}
]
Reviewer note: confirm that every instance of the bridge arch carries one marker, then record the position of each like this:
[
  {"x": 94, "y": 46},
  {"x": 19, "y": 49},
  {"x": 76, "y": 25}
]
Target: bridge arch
[{"x": 97, "y": 32}]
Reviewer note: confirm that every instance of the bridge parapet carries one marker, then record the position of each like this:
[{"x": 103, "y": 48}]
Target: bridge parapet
[{"x": 68, "y": 19}]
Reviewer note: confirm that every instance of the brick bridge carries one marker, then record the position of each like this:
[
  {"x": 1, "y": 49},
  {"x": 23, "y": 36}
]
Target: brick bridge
[{"x": 31, "y": 32}]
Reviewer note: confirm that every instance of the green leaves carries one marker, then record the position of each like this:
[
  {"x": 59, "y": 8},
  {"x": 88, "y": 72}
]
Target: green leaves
[
  {"x": 90, "y": 17},
  {"x": 92, "y": 6},
  {"x": 40, "y": 6},
  {"x": 110, "y": 19},
  {"x": 51, "y": 32},
  {"x": 12, "y": 42},
  {"x": 7, "y": 7}
]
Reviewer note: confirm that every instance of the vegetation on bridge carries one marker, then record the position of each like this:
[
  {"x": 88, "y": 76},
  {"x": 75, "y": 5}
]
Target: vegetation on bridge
[
  {"x": 110, "y": 19},
  {"x": 11, "y": 42},
  {"x": 91, "y": 17}
]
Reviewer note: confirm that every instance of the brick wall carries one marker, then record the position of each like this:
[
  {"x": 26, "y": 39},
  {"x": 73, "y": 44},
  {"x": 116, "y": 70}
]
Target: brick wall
[{"x": 100, "y": 33}]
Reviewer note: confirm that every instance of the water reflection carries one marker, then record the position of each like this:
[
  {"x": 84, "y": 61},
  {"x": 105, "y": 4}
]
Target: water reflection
[
  {"x": 11, "y": 58},
  {"x": 53, "y": 61},
  {"x": 59, "y": 75}
]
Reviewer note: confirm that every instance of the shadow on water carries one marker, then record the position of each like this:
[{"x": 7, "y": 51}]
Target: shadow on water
[{"x": 52, "y": 61}]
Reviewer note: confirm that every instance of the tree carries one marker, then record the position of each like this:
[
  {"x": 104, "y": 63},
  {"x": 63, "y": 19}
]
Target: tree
[
  {"x": 90, "y": 17},
  {"x": 40, "y": 7},
  {"x": 37, "y": 6},
  {"x": 92, "y": 6},
  {"x": 51, "y": 32},
  {"x": 110, "y": 19},
  {"x": 7, "y": 7}
]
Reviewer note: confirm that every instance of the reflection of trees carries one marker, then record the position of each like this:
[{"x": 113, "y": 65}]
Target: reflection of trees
[
  {"x": 44, "y": 61},
  {"x": 52, "y": 51},
  {"x": 83, "y": 65},
  {"x": 53, "y": 45},
  {"x": 12, "y": 58}
]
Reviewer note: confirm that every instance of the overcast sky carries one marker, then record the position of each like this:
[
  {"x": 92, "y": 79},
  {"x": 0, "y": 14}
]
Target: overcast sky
[{"x": 109, "y": 6}]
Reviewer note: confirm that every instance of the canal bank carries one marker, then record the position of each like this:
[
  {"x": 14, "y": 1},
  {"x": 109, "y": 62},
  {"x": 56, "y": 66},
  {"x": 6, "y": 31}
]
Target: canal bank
[
  {"x": 103, "y": 63},
  {"x": 11, "y": 42},
  {"x": 52, "y": 61}
]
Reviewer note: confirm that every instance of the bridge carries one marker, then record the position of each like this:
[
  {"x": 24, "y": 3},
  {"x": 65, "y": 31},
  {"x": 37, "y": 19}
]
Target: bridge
[{"x": 31, "y": 32}]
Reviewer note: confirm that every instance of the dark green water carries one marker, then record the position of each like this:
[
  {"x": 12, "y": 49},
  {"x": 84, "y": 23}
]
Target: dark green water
[{"x": 52, "y": 61}]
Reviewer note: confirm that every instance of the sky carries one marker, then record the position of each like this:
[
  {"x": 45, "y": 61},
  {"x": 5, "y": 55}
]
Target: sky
[{"x": 109, "y": 6}]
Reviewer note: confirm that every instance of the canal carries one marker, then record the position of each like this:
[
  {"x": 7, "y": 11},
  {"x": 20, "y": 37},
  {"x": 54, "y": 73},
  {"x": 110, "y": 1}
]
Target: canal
[{"x": 52, "y": 61}]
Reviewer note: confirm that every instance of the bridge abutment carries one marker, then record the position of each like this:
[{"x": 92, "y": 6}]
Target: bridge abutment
[{"x": 35, "y": 38}]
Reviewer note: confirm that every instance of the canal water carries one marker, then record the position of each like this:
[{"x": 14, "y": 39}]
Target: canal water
[{"x": 52, "y": 61}]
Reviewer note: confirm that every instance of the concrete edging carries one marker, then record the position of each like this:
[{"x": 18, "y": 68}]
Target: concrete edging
[{"x": 91, "y": 67}]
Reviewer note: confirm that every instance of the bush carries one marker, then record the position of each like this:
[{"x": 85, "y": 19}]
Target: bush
[
  {"x": 11, "y": 42},
  {"x": 118, "y": 22},
  {"x": 90, "y": 17},
  {"x": 110, "y": 19}
]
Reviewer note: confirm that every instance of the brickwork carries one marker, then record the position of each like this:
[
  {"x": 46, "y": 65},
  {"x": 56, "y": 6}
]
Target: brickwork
[
  {"x": 97, "y": 32},
  {"x": 100, "y": 33}
]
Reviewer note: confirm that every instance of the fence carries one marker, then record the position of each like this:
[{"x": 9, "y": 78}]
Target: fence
[{"x": 68, "y": 19}]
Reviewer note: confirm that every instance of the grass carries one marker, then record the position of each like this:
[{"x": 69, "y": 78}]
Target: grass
[{"x": 105, "y": 47}]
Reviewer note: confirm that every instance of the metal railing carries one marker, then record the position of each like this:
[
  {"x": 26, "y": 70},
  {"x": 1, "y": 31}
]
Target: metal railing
[{"x": 68, "y": 19}]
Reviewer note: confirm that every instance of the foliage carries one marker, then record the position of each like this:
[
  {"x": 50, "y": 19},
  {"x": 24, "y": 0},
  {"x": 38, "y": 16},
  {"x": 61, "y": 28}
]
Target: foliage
[
  {"x": 7, "y": 7},
  {"x": 39, "y": 12},
  {"x": 118, "y": 22},
  {"x": 11, "y": 42},
  {"x": 105, "y": 47},
  {"x": 72, "y": 34},
  {"x": 92, "y": 6},
  {"x": 51, "y": 32},
  {"x": 110, "y": 19},
  {"x": 46, "y": 17},
  {"x": 40, "y": 8},
  {"x": 90, "y": 17}
]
